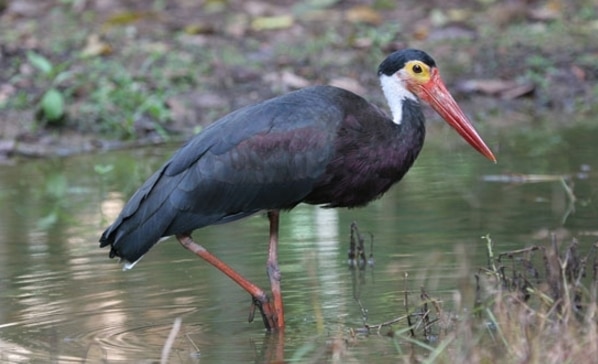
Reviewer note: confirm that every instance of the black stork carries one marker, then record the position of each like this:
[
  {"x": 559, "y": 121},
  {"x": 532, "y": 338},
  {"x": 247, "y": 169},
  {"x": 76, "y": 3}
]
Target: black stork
[{"x": 320, "y": 145}]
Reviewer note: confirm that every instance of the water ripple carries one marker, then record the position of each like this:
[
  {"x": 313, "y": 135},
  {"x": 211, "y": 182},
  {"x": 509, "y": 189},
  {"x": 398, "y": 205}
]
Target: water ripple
[{"x": 62, "y": 316}]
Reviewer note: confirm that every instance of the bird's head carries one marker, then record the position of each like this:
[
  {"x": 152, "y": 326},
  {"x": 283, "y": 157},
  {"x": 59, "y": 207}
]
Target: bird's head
[{"x": 412, "y": 74}]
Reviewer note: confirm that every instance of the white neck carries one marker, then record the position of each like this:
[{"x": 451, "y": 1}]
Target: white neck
[{"x": 395, "y": 93}]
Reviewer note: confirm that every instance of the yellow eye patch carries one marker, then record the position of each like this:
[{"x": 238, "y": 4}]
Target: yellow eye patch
[{"x": 418, "y": 71}]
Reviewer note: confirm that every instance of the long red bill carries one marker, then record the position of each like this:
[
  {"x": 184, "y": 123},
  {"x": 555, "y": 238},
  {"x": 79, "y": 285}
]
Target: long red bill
[{"x": 435, "y": 93}]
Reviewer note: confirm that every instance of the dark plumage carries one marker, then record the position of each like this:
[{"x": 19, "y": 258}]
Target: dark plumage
[{"x": 321, "y": 145}]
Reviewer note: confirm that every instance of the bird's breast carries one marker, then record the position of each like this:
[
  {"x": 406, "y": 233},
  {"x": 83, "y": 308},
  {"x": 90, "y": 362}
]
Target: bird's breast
[
  {"x": 365, "y": 165},
  {"x": 356, "y": 179}
]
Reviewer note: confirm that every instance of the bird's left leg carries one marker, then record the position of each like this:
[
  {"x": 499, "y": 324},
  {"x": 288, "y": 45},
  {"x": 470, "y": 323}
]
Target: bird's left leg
[
  {"x": 272, "y": 266},
  {"x": 260, "y": 298}
]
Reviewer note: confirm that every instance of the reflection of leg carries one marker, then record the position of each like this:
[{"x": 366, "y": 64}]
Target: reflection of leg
[
  {"x": 273, "y": 347},
  {"x": 272, "y": 267},
  {"x": 259, "y": 296}
]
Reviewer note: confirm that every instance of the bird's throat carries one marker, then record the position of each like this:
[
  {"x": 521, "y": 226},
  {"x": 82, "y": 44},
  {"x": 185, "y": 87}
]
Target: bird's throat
[{"x": 396, "y": 93}]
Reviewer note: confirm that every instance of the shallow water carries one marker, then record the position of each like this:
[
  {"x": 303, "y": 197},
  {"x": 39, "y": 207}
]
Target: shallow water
[{"x": 63, "y": 300}]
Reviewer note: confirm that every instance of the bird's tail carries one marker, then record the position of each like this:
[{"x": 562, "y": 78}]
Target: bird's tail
[
  {"x": 129, "y": 240},
  {"x": 139, "y": 225}
]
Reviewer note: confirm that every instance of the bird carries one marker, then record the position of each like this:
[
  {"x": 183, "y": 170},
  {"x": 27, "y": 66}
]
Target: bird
[{"x": 320, "y": 145}]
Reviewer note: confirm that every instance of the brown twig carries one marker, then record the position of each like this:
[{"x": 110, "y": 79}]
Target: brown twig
[{"x": 379, "y": 326}]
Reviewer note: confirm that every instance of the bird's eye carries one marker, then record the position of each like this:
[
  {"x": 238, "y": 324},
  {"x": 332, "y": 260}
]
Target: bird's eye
[{"x": 417, "y": 68}]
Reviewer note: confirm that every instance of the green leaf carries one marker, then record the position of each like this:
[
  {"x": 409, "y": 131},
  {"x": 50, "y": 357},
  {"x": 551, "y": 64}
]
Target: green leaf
[
  {"x": 61, "y": 77},
  {"x": 52, "y": 104},
  {"x": 103, "y": 168},
  {"x": 40, "y": 62}
]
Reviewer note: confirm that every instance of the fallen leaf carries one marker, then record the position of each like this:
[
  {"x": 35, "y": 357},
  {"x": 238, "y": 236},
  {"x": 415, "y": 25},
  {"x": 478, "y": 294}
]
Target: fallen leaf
[
  {"x": 362, "y": 42},
  {"x": 95, "y": 47},
  {"x": 506, "y": 89},
  {"x": 272, "y": 22},
  {"x": 286, "y": 79},
  {"x": 127, "y": 17},
  {"x": 552, "y": 10},
  {"x": 421, "y": 31},
  {"x": 518, "y": 91},
  {"x": 438, "y": 18},
  {"x": 179, "y": 110},
  {"x": 579, "y": 73},
  {"x": 199, "y": 28},
  {"x": 292, "y": 80},
  {"x": 6, "y": 91},
  {"x": 363, "y": 14},
  {"x": 459, "y": 14},
  {"x": 486, "y": 86},
  {"x": 348, "y": 83},
  {"x": 203, "y": 100}
]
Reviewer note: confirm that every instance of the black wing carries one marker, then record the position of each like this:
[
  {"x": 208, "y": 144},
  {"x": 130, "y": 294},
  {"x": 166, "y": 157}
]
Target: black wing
[{"x": 266, "y": 156}]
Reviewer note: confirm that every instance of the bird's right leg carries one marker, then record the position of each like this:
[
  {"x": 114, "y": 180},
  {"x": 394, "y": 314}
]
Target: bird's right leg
[
  {"x": 272, "y": 266},
  {"x": 260, "y": 298}
]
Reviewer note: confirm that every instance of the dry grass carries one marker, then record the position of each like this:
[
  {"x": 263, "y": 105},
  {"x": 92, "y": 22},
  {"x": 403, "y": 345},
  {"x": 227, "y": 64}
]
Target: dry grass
[{"x": 534, "y": 305}]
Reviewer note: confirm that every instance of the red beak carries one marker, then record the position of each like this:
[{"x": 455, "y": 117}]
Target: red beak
[{"x": 434, "y": 92}]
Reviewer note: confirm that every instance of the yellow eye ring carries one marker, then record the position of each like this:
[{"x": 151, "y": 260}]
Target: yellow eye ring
[{"x": 417, "y": 72}]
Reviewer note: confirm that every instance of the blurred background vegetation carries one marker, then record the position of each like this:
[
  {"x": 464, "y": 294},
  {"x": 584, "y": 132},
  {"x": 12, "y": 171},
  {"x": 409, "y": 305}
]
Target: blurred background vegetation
[{"x": 81, "y": 75}]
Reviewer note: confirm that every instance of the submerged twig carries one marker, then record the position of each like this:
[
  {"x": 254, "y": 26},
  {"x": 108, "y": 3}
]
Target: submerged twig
[
  {"x": 192, "y": 343},
  {"x": 406, "y": 304},
  {"x": 490, "y": 251},
  {"x": 356, "y": 248},
  {"x": 357, "y": 253},
  {"x": 426, "y": 321},
  {"x": 379, "y": 326},
  {"x": 524, "y": 178}
]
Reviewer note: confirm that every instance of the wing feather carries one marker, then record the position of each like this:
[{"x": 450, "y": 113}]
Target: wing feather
[{"x": 266, "y": 156}]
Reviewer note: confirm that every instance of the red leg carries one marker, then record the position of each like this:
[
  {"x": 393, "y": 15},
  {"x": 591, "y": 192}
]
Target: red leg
[
  {"x": 272, "y": 266},
  {"x": 269, "y": 313}
]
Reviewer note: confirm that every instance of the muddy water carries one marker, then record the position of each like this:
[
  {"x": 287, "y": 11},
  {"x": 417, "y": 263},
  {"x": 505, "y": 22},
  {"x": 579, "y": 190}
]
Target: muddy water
[{"x": 62, "y": 300}]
